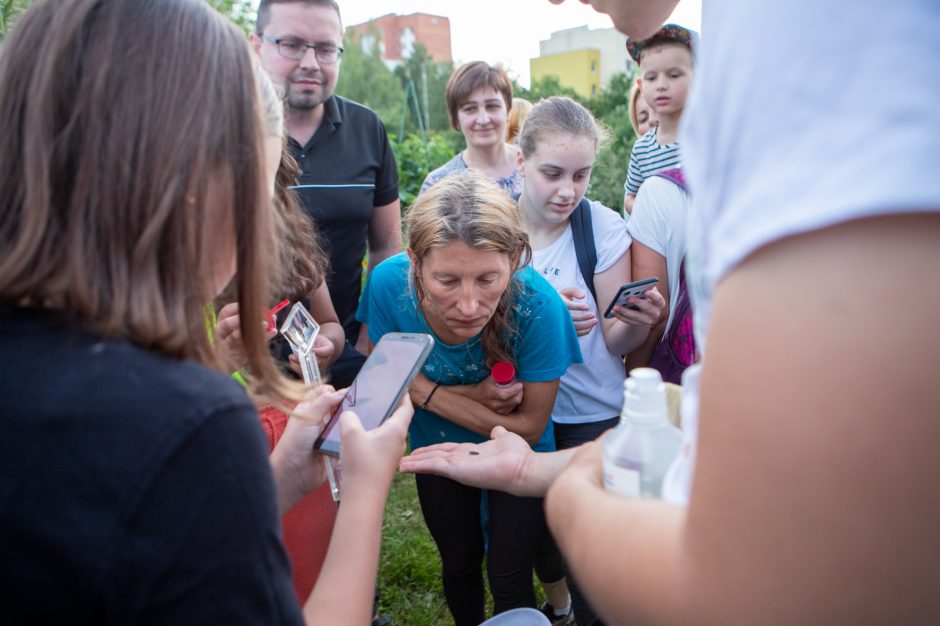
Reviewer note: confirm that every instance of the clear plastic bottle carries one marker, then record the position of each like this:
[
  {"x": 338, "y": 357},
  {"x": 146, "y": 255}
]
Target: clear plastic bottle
[{"x": 638, "y": 453}]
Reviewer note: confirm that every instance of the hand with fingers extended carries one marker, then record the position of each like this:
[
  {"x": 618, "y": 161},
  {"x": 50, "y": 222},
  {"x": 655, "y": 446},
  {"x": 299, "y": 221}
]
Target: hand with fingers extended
[
  {"x": 649, "y": 309},
  {"x": 494, "y": 464},
  {"x": 582, "y": 315},
  {"x": 228, "y": 334}
]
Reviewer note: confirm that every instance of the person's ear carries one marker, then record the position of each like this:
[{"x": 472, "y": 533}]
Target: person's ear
[
  {"x": 520, "y": 162},
  {"x": 255, "y": 42}
]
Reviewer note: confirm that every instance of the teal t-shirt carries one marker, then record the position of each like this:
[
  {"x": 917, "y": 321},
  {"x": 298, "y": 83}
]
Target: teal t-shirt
[{"x": 546, "y": 343}]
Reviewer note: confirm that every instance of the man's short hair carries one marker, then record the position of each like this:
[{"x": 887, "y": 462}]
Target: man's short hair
[
  {"x": 264, "y": 11},
  {"x": 470, "y": 77}
]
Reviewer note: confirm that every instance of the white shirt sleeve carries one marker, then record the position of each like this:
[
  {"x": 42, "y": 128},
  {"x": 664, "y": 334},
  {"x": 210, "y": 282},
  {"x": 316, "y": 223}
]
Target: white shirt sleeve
[
  {"x": 611, "y": 238},
  {"x": 658, "y": 205}
]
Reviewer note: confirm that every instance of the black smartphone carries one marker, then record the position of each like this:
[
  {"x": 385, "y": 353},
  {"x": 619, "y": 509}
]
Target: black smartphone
[
  {"x": 637, "y": 289},
  {"x": 380, "y": 384}
]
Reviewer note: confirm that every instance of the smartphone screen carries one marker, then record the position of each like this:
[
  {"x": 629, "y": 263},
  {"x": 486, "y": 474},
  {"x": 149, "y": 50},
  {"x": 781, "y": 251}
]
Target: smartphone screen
[
  {"x": 635, "y": 289},
  {"x": 380, "y": 385}
]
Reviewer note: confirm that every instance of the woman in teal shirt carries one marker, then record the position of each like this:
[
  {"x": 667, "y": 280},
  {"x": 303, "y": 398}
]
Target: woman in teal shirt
[{"x": 465, "y": 280}]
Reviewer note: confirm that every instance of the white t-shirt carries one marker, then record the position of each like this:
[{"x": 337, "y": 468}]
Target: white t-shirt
[
  {"x": 787, "y": 131},
  {"x": 660, "y": 222},
  {"x": 593, "y": 390}
]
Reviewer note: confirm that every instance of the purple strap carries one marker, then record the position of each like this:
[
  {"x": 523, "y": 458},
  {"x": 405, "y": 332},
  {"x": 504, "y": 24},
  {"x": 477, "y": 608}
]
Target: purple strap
[{"x": 676, "y": 176}]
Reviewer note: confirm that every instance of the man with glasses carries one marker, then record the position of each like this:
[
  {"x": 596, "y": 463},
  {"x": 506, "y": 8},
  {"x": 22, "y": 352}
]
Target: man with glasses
[{"x": 349, "y": 181}]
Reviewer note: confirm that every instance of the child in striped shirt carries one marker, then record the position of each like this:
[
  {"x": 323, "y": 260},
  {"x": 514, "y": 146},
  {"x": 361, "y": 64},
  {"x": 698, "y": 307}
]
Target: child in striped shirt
[{"x": 666, "y": 65}]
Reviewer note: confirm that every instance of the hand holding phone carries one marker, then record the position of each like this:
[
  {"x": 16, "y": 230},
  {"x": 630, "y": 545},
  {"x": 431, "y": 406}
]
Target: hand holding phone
[
  {"x": 636, "y": 289},
  {"x": 380, "y": 385}
]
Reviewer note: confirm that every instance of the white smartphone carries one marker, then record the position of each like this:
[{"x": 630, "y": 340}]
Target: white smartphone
[
  {"x": 382, "y": 382},
  {"x": 636, "y": 289}
]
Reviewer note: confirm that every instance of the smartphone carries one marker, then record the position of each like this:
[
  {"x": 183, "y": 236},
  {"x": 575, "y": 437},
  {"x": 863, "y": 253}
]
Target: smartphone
[
  {"x": 637, "y": 289},
  {"x": 380, "y": 385}
]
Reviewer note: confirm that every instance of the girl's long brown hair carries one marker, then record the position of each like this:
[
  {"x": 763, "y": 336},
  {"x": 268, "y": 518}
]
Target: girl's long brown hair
[
  {"x": 470, "y": 208},
  {"x": 131, "y": 171}
]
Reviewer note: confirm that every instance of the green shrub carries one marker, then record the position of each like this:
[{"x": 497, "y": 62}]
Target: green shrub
[{"x": 417, "y": 155}]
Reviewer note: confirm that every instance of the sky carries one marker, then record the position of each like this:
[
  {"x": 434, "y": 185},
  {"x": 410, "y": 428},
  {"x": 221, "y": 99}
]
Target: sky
[{"x": 503, "y": 31}]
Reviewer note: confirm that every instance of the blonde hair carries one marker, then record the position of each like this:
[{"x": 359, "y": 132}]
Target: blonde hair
[
  {"x": 634, "y": 98},
  {"x": 559, "y": 114},
  {"x": 470, "y": 208},
  {"x": 520, "y": 109}
]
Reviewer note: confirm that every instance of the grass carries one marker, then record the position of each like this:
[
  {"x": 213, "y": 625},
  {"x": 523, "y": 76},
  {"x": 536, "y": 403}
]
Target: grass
[{"x": 410, "y": 567}]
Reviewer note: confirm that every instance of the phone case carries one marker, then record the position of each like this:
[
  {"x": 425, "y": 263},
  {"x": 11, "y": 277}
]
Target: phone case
[
  {"x": 637, "y": 289},
  {"x": 373, "y": 375}
]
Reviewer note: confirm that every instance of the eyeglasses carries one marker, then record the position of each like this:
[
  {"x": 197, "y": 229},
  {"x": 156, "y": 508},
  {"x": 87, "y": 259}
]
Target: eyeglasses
[{"x": 296, "y": 49}]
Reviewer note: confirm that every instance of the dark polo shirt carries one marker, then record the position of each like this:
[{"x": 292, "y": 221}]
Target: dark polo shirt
[{"x": 347, "y": 169}]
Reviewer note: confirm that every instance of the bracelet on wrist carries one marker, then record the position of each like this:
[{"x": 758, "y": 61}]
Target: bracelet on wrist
[{"x": 424, "y": 404}]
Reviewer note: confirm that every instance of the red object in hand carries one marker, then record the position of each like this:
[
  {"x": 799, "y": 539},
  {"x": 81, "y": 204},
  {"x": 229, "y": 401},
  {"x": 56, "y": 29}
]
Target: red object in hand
[
  {"x": 503, "y": 373},
  {"x": 270, "y": 318}
]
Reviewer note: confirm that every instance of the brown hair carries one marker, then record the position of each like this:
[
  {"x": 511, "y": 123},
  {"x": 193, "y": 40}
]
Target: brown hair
[
  {"x": 114, "y": 219},
  {"x": 264, "y": 11},
  {"x": 472, "y": 76},
  {"x": 559, "y": 114},
  {"x": 469, "y": 207}
]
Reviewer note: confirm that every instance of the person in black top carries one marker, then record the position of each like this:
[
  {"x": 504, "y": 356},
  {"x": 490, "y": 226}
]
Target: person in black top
[
  {"x": 136, "y": 482},
  {"x": 349, "y": 181}
]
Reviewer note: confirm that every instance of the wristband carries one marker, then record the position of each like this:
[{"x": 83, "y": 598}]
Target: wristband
[{"x": 424, "y": 404}]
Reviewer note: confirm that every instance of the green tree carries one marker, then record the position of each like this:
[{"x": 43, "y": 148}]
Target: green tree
[
  {"x": 9, "y": 9},
  {"x": 365, "y": 79},
  {"x": 241, "y": 12},
  {"x": 545, "y": 87},
  {"x": 611, "y": 108},
  {"x": 416, "y": 156},
  {"x": 429, "y": 79}
]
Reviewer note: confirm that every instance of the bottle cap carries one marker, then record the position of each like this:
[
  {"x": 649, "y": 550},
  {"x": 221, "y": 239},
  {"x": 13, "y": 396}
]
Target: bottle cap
[
  {"x": 503, "y": 373},
  {"x": 644, "y": 397}
]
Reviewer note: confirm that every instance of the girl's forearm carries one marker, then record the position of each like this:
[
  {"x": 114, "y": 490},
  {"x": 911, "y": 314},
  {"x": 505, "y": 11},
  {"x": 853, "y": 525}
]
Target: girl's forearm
[
  {"x": 625, "y": 338},
  {"x": 344, "y": 590}
]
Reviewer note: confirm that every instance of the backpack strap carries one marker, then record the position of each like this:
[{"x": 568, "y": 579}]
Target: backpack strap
[
  {"x": 676, "y": 176},
  {"x": 582, "y": 231}
]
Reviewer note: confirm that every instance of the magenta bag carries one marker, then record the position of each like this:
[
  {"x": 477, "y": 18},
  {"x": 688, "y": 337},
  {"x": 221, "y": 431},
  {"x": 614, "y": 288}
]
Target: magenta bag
[{"x": 676, "y": 349}]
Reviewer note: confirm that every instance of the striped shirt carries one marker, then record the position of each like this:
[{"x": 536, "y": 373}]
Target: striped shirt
[{"x": 647, "y": 158}]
